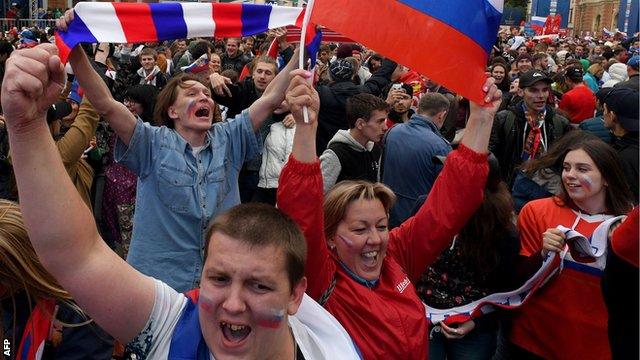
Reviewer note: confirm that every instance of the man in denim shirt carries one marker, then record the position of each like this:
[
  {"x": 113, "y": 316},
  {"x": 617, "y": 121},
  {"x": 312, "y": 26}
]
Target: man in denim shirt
[
  {"x": 409, "y": 149},
  {"x": 187, "y": 169}
]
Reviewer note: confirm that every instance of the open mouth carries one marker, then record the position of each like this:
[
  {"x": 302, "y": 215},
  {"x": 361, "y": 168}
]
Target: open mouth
[
  {"x": 203, "y": 111},
  {"x": 233, "y": 333},
  {"x": 370, "y": 258}
]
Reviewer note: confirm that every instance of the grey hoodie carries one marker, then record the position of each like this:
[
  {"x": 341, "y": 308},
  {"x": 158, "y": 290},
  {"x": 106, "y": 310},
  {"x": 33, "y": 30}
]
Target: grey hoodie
[{"x": 329, "y": 161}]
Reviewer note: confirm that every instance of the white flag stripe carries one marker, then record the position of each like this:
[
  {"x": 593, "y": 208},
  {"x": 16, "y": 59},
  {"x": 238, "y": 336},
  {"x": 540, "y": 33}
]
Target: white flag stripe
[
  {"x": 102, "y": 21},
  {"x": 283, "y": 16},
  {"x": 199, "y": 19},
  {"x": 497, "y": 4}
]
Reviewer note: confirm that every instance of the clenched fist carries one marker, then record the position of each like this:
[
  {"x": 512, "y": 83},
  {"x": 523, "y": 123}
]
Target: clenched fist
[{"x": 33, "y": 80}]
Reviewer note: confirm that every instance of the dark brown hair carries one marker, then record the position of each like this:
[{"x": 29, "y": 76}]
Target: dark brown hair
[
  {"x": 261, "y": 225},
  {"x": 361, "y": 106},
  {"x": 493, "y": 221},
  {"x": 168, "y": 96},
  {"x": 557, "y": 151},
  {"x": 618, "y": 196}
]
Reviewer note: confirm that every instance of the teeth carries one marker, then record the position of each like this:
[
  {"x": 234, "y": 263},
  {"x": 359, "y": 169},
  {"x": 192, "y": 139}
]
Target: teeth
[
  {"x": 233, "y": 327},
  {"x": 370, "y": 254}
]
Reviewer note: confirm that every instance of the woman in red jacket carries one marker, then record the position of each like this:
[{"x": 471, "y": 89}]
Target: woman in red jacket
[{"x": 356, "y": 267}]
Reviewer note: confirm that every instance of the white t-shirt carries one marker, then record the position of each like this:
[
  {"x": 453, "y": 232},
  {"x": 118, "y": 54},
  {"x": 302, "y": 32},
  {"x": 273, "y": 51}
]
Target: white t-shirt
[{"x": 318, "y": 334}]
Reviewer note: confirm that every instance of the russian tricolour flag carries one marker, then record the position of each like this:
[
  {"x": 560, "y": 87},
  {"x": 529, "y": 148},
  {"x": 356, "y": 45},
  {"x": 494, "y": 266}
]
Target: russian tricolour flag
[
  {"x": 446, "y": 40},
  {"x": 140, "y": 22}
]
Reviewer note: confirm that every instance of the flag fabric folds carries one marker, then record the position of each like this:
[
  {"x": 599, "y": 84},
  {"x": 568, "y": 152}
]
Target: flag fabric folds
[
  {"x": 448, "y": 41},
  {"x": 588, "y": 255},
  {"x": 96, "y": 22}
]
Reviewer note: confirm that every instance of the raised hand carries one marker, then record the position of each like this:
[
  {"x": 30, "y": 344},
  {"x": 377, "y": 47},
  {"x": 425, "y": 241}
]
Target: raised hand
[
  {"x": 62, "y": 23},
  {"x": 301, "y": 93},
  {"x": 492, "y": 100},
  {"x": 34, "y": 78}
]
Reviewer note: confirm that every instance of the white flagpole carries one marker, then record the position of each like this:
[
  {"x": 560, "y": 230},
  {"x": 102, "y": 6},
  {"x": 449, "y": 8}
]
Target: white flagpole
[{"x": 303, "y": 36}]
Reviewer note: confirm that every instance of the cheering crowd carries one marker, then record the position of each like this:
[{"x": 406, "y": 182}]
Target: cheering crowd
[{"x": 205, "y": 198}]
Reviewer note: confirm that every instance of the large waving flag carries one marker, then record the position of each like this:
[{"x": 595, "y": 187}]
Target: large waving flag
[
  {"x": 446, "y": 40},
  {"x": 96, "y": 22}
]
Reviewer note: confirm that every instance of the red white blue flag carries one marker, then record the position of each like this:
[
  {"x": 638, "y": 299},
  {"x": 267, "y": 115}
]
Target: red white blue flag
[
  {"x": 583, "y": 254},
  {"x": 447, "y": 40},
  {"x": 96, "y": 22}
]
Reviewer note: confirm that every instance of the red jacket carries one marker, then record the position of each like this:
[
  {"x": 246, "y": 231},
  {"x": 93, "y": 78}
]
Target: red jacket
[{"x": 387, "y": 321}]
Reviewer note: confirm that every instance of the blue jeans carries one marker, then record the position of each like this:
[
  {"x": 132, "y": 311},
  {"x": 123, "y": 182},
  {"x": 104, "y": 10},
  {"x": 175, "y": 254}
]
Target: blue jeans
[{"x": 479, "y": 344}]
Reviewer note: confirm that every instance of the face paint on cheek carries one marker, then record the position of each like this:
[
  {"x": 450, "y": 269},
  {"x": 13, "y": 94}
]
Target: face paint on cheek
[
  {"x": 586, "y": 182},
  {"x": 270, "y": 318},
  {"x": 191, "y": 108},
  {"x": 348, "y": 242},
  {"x": 206, "y": 305}
]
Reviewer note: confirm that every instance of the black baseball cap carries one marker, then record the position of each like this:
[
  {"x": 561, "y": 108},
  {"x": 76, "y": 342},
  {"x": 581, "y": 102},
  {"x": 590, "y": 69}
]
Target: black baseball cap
[
  {"x": 624, "y": 102},
  {"x": 533, "y": 76}
]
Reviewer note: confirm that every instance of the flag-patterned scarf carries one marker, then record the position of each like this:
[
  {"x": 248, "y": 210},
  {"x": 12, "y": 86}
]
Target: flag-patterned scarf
[
  {"x": 96, "y": 22},
  {"x": 589, "y": 251}
]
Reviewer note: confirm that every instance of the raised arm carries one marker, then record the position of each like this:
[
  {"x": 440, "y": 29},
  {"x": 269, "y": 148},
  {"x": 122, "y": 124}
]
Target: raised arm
[
  {"x": 455, "y": 196},
  {"x": 300, "y": 185},
  {"x": 273, "y": 95},
  {"x": 75, "y": 141},
  {"x": 60, "y": 225},
  {"x": 119, "y": 117}
]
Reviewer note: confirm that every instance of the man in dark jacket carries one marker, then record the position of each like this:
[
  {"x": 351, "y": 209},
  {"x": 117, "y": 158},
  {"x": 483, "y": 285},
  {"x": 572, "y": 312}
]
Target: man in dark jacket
[
  {"x": 333, "y": 97},
  {"x": 233, "y": 58},
  {"x": 634, "y": 74},
  {"x": 621, "y": 117},
  {"x": 528, "y": 128}
]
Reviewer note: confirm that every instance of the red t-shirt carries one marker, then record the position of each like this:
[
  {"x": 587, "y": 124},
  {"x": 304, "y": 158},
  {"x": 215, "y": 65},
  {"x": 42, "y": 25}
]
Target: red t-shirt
[
  {"x": 579, "y": 103},
  {"x": 567, "y": 318}
]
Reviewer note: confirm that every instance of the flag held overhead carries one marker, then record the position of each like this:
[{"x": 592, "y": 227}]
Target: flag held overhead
[
  {"x": 141, "y": 22},
  {"x": 448, "y": 41}
]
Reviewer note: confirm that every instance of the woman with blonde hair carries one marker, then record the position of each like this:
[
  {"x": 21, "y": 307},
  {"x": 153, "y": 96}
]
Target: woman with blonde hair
[
  {"x": 39, "y": 318},
  {"x": 357, "y": 268}
]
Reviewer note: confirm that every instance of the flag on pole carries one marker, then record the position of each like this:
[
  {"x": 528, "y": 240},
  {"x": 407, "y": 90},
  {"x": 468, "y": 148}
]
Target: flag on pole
[
  {"x": 96, "y": 22},
  {"x": 448, "y": 41}
]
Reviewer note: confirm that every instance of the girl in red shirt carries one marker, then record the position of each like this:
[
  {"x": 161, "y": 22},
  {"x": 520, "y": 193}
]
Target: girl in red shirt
[{"x": 567, "y": 318}]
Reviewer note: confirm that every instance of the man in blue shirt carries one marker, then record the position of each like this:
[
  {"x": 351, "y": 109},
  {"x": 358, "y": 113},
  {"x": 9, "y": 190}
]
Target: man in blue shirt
[
  {"x": 408, "y": 167},
  {"x": 187, "y": 169}
]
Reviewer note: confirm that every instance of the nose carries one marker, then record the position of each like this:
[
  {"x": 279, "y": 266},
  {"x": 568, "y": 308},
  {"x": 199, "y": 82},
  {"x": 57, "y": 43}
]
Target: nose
[
  {"x": 375, "y": 238},
  {"x": 234, "y": 302}
]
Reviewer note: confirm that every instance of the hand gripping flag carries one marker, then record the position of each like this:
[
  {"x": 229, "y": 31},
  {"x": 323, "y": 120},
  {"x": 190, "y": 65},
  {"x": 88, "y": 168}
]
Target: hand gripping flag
[
  {"x": 446, "y": 40},
  {"x": 96, "y": 22},
  {"x": 588, "y": 255}
]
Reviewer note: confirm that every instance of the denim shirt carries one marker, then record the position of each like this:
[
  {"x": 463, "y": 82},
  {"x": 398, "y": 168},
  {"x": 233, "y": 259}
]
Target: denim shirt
[
  {"x": 178, "y": 193},
  {"x": 409, "y": 169}
]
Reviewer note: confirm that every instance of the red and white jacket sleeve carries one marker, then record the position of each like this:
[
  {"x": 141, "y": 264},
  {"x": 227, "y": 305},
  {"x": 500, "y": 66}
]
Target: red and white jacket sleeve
[
  {"x": 300, "y": 196},
  {"x": 456, "y": 195}
]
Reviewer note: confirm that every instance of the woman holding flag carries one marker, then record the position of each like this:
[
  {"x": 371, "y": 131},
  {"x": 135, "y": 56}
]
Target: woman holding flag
[
  {"x": 357, "y": 268},
  {"x": 567, "y": 318}
]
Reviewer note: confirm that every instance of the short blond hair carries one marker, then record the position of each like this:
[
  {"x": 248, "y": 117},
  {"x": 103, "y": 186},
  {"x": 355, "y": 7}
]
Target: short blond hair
[{"x": 344, "y": 193}]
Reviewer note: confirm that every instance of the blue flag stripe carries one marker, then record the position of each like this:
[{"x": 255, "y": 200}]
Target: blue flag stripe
[
  {"x": 477, "y": 19},
  {"x": 169, "y": 21},
  {"x": 255, "y": 19},
  {"x": 78, "y": 32}
]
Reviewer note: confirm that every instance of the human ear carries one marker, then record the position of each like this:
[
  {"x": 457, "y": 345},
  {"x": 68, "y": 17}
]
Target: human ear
[{"x": 297, "y": 293}]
